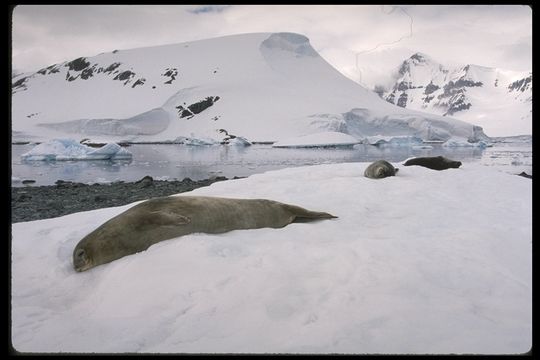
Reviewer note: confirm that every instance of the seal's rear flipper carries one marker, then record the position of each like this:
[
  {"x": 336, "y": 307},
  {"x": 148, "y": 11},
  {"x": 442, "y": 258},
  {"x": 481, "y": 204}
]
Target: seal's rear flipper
[
  {"x": 305, "y": 219},
  {"x": 302, "y": 215}
]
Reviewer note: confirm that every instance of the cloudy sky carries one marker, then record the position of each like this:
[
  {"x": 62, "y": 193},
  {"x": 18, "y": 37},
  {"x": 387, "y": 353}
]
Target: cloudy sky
[{"x": 364, "y": 42}]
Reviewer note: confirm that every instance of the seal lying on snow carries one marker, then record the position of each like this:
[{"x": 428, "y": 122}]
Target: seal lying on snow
[
  {"x": 380, "y": 169},
  {"x": 434, "y": 162},
  {"x": 164, "y": 218}
]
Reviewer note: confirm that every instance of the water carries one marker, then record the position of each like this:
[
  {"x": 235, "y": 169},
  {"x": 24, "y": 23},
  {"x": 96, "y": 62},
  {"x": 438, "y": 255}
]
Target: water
[{"x": 170, "y": 162}]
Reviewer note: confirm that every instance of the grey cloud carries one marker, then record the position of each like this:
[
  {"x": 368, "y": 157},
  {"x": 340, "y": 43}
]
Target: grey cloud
[
  {"x": 47, "y": 34},
  {"x": 208, "y": 9}
]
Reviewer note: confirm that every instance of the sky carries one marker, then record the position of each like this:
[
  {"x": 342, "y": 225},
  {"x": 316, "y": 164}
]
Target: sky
[{"x": 364, "y": 42}]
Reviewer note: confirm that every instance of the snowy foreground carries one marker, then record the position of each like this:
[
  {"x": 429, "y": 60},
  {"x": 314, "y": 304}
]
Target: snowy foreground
[{"x": 424, "y": 262}]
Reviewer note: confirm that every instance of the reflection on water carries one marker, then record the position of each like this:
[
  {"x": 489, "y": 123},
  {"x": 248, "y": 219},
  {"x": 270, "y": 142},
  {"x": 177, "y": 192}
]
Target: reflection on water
[{"x": 170, "y": 162}]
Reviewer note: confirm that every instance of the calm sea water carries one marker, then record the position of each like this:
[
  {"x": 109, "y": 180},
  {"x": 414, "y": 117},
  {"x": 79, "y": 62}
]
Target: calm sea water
[{"x": 169, "y": 162}]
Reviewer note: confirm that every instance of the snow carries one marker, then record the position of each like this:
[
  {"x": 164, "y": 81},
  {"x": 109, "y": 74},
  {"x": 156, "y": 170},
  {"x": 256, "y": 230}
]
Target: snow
[
  {"x": 423, "y": 262},
  {"x": 69, "y": 149},
  {"x": 322, "y": 139},
  {"x": 265, "y": 83}
]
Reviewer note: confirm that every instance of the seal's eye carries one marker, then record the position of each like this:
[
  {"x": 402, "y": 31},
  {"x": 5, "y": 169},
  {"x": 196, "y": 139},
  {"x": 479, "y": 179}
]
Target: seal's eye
[{"x": 80, "y": 260}]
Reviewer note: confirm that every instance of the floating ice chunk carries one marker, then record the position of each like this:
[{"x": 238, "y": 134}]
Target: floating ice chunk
[
  {"x": 109, "y": 151},
  {"x": 69, "y": 149},
  {"x": 194, "y": 141},
  {"x": 239, "y": 141}
]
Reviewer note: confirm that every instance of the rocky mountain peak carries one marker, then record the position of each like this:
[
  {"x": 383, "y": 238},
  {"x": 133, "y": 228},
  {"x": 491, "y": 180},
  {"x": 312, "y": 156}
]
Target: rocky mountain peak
[
  {"x": 420, "y": 58},
  {"x": 469, "y": 92}
]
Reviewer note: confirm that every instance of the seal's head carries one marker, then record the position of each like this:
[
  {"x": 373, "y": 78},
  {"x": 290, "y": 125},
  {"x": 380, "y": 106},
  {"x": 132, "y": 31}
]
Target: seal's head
[
  {"x": 100, "y": 246},
  {"x": 384, "y": 171},
  {"x": 452, "y": 163},
  {"x": 82, "y": 259}
]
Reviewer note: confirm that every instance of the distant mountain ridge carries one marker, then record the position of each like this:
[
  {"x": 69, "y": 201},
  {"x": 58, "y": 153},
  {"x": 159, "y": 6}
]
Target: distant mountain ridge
[
  {"x": 262, "y": 86},
  {"x": 486, "y": 96}
]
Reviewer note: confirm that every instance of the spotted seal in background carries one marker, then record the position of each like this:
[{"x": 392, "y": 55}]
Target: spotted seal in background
[
  {"x": 380, "y": 169},
  {"x": 434, "y": 162},
  {"x": 155, "y": 220}
]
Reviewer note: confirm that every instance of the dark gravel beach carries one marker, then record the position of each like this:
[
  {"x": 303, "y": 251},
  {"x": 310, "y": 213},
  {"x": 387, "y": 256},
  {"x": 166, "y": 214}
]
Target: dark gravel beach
[{"x": 42, "y": 202}]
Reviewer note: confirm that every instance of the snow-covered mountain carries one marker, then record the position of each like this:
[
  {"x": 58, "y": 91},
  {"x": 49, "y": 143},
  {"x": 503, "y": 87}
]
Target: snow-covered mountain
[
  {"x": 263, "y": 86},
  {"x": 498, "y": 100}
]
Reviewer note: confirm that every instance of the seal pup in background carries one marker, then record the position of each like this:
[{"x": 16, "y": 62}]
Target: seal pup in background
[
  {"x": 434, "y": 162},
  {"x": 155, "y": 220},
  {"x": 380, "y": 169}
]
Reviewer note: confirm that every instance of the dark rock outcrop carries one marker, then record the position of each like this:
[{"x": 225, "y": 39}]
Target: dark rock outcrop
[
  {"x": 171, "y": 74},
  {"x": 78, "y": 64},
  {"x": 197, "y": 107}
]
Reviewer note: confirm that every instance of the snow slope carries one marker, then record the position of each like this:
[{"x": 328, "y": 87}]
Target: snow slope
[
  {"x": 498, "y": 100},
  {"x": 262, "y": 86},
  {"x": 423, "y": 262}
]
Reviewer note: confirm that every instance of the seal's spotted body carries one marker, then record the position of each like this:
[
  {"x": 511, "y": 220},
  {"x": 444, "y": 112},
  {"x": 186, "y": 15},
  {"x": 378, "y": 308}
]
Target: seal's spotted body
[{"x": 164, "y": 218}]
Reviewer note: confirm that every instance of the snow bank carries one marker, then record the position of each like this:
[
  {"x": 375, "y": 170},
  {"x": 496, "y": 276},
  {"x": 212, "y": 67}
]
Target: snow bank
[
  {"x": 322, "y": 139},
  {"x": 69, "y": 149},
  {"x": 423, "y": 262}
]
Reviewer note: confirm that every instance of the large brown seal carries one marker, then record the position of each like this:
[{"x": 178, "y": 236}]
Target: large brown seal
[
  {"x": 380, "y": 169},
  {"x": 434, "y": 162},
  {"x": 155, "y": 220}
]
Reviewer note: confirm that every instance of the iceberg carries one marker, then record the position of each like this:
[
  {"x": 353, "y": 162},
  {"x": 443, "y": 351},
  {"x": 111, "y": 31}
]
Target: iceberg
[
  {"x": 194, "y": 141},
  {"x": 69, "y": 149},
  {"x": 239, "y": 141}
]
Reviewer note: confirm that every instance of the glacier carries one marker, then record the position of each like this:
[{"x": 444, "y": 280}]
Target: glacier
[{"x": 265, "y": 86}]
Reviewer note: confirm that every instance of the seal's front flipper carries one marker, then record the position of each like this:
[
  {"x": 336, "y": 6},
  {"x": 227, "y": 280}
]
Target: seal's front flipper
[{"x": 165, "y": 218}]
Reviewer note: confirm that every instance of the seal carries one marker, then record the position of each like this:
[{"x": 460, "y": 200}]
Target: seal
[
  {"x": 163, "y": 218},
  {"x": 380, "y": 169},
  {"x": 434, "y": 162}
]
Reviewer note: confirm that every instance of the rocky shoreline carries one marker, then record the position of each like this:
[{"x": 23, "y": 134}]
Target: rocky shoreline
[{"x": 30, "y": 203}]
